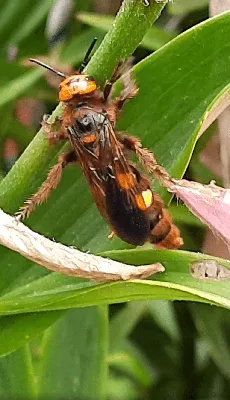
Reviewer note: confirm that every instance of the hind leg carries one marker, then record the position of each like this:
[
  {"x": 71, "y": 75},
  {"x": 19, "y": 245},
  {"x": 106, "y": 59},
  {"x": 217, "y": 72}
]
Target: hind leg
[{"x": 145, "y": 157}]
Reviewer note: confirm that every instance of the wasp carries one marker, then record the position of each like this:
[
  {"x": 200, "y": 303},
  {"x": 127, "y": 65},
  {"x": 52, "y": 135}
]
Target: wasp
[{"x": 121, "y": 192}]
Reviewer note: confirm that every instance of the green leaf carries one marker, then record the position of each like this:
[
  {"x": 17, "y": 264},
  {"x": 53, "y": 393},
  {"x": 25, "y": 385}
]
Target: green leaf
[
  {"x": 212, "y": 383},
  {"x": 16, "y": 330},
  {"x": 180, "y": 7},
  {"x": 171, "y": 107},
  {"x": 18, "y": 86},
  {"x": 73, "y": 361},
  {"x": 131, "y": 362},
  {"x": 124, "y": 321},
  {"x": 16, "y": 376},
  {"x": 32, "y": 20},
  {"x": 210, "y": 324},
  {"x": 120, "y": 386},
  {"x": 182, "y": 215},
  {"x": 164, "y": 315},
  {"x": 175, "y": 283},
  {"x": 10, "y": 13}
]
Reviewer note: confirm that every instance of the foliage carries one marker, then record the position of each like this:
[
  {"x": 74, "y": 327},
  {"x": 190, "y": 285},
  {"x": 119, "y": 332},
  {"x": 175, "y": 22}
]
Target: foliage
[{"x": 53, "y": 343}]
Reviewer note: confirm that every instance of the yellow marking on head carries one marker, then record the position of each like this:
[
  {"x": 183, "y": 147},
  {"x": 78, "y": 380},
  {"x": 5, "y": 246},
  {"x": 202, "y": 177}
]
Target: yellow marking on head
[
  {"x": 125, "y": 181},
  {"x": 144, "y": 199},
  {"x": 89, "y": 138}
]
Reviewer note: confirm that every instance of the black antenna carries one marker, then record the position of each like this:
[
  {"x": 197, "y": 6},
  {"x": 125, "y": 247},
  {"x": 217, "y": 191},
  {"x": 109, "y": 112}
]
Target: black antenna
[
  {"x": 47, "y": 67},
  {"x": 86, "y": 58}
]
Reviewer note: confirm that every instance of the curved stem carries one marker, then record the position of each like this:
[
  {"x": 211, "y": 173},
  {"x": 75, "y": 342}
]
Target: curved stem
[{"x": 130, "y": 26}]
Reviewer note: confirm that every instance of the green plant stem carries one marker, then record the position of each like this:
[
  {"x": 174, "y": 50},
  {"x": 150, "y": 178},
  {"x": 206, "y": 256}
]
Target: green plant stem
[{"x": 132, "y": 22}]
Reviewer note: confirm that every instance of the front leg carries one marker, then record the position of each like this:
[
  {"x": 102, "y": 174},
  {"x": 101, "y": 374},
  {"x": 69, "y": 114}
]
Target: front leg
[
  {"x": 129, "y": 91},
  {"x": 109, "y": 84},
  {"x": 54, "y": 130},
  {"x": 145, "y": 157},
  {"x": 52, "y": 180}
]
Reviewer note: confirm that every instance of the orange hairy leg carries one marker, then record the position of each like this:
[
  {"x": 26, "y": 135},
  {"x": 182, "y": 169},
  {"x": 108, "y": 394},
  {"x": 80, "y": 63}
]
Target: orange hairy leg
[
  {"x": 53, "y": 130},
  {"x": 52, "y": 180},
  {"x": 145, "y": 156}
]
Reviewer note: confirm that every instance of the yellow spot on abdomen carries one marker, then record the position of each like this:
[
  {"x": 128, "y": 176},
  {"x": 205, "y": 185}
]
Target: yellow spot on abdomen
[
  {"x": 148, "y": 197},
  {"x": 144, "y": 200}
]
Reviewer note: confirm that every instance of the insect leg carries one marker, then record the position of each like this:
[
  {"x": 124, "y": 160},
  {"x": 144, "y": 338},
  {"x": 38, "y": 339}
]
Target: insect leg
[
  {"x": 109, "y": 84},
  {"x": 53, "y": 130},
  {"x": 129, "y": 91},
  {"x": 52, "y": 180},
  {"x": 145, "y": 157},
  {"x": 111, "y": 235}
]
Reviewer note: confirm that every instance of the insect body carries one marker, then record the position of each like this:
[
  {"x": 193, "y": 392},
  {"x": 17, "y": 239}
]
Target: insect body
[{"x": 122, "y": 194}]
